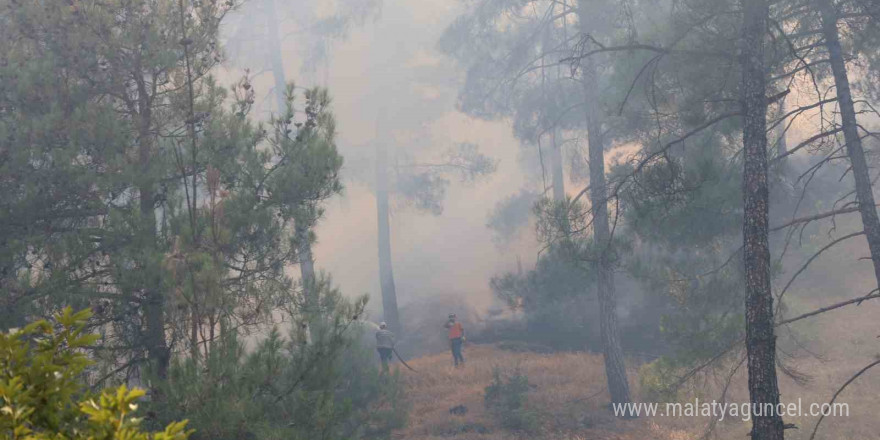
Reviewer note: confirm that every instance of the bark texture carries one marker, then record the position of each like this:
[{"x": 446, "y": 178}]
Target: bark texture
[
  {"x": 781, "y": 135},
  {"x": 864, "y": 190},
  {"x": 558, "y": 169},
  {"x": 760, "y": 336},
  {"x": 615, "y": 369},
  {"x": 158, "y": 353}
]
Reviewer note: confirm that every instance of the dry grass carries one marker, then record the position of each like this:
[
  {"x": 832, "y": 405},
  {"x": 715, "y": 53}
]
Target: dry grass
[
  {"x": 570, "y": 387},
  {"x": 568, "y": 394}
]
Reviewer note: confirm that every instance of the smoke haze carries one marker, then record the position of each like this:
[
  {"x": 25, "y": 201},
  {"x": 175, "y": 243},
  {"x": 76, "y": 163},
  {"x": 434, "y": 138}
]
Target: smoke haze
[{"x": 392, "y": 59}]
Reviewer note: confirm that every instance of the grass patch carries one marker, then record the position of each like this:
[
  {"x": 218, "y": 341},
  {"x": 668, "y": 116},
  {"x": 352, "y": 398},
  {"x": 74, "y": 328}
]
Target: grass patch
[{"x": 507, "y": 400}]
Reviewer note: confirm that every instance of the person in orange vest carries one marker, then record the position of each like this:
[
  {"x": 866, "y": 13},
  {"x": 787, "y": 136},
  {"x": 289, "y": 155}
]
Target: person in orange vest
[{"x": 456, "y": 339}]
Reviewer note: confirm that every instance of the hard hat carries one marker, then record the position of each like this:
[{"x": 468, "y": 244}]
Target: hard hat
[{"x": 382, "y": 324}]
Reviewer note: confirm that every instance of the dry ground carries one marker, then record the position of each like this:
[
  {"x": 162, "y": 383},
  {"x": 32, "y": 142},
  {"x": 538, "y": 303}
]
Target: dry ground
[
  {"x": 570, "y": 387},
  {"x": 568, "y": 394}
]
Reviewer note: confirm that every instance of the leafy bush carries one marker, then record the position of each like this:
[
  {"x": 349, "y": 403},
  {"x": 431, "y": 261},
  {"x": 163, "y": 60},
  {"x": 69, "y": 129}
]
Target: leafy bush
[
  {"x": 689, "y": 206},
  {"x": 506, "y": 399},
  {"x": 40, "y": 370},
  {"x": 553, "y": 297},
  {"x": 284, "y": 388},
  {"x": 558, "y": 301},
  {"x": 658, "y": 380}
]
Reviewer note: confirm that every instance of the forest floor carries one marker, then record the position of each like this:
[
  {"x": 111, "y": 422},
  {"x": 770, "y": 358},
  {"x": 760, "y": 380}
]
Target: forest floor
[
  {"x": 568, "y": 393},
  {"x": 567, "y": 396}
]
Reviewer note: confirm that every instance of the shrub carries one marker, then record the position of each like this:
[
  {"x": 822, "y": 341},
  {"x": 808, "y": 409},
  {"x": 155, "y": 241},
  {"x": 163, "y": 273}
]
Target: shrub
[
  {"x": 388, "y": 410},
  {"x": 282, "y": 388},
  {"x": 507, "y": 400},
  {"x": 657, "y": 381},
  {"x": 42, "y": 396}
]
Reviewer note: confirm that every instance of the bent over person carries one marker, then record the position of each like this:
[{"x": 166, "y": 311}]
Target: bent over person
[
  {"x": 456, "y": 339},
  {"x": 385, "y": 345}
]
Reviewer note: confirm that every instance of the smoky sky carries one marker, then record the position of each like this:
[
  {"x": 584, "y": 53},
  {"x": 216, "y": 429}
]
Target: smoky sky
[{"x": 390, "y": 63}]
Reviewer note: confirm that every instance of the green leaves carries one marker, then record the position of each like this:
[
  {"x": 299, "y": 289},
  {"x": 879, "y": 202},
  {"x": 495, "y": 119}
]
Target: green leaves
[
  {"x": 40, "y": 380},
  {"x": 105, "y": 204},
  {"x": 109, "y": 418},
  {"x": 285, "y": 387}
]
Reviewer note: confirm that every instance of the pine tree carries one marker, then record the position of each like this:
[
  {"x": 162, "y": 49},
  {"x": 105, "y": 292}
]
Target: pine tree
[{"x": 186, "y": 236}]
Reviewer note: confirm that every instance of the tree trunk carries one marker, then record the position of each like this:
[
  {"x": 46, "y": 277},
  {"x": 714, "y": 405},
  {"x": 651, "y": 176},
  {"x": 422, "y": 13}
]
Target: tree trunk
[
  {"x": 615, "y": 369},
  {"x": 276, "y": 62},
  {"x": 781, "y": 135},
  {"x": 760, "y": 337},
  {"x": 158, "y": 354},
  {"x": 559, "y": 183},
  {"x": 307, "y": 268},
  {"x": 386, "y": 274},
  {"x": 301, "y": 229},
  {"x": 558, "y": 171},
  {"x": 864, "y": 191}
]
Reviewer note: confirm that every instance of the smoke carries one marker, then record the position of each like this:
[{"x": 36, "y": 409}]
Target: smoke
[{"x": 389, "y": 65}]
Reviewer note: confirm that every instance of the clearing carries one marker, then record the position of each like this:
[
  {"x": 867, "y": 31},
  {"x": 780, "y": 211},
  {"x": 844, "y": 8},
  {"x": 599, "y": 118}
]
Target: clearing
[{"x": 567, "y": 395}]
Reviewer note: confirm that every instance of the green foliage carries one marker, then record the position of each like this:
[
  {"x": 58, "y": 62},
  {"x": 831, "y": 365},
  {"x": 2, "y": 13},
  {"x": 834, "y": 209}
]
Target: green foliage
[
  {"x": 671, "y": 199},
  {"x": 554, "y": 297},
  {"x": 510, "y": 216},
  {"x": 554, "y": 278},
  {"x": 658, "y": 380},
  {"x": 423, "y": 185},
  {"x": 506, "y": 399},
  {"x": 113, "y": 193},
  {"x": 558, "y": 295},
  {"x": 504, "y": 64},
  {"x": 288, "y": 388},
  {"x": 685, "y": 212},
  {"x": 41, "y": 368}
]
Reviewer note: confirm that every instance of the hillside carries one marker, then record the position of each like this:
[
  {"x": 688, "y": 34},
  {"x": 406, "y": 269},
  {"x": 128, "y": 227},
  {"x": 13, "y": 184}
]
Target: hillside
[{"x": 567, "y": 394}]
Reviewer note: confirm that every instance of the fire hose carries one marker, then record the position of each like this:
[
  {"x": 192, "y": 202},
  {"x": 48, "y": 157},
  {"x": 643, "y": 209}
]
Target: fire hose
[{"x": 402, "y": 361}]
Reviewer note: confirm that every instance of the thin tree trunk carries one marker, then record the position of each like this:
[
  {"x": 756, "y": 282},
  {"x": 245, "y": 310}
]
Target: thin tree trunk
[
  {"x": 158, "y": 353},
  {"x": 864, "y": 191},
  {"x": 760, "y": 336},
  {"x": 781, "y": 135},
  {"x": 211, "y": 333},
  {"x": 386, "y": 274},
  {"x": 556, "y": 168},
  {"x": 555, "y": 150},
  {"x": 276, "y": 62},
  {"x": 559, "y": 183},
  {"x": 558, "y": 171},
  {"x": 194, "y": 335},
  {"x": 194, "y": 206},
  {"x": 307, "y": 268},
  {"x": 615, "y": 369},
  {"x": 301, "y": 229}
]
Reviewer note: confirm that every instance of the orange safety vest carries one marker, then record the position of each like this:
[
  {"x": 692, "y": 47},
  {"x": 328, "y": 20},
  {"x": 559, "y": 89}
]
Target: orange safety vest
[{"x": 456, "y": 331}]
